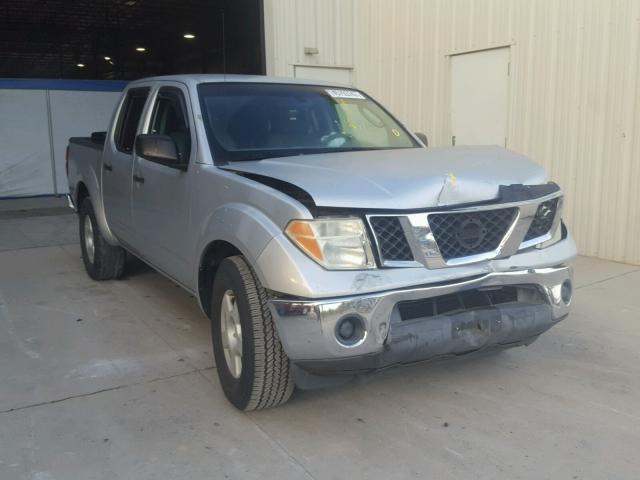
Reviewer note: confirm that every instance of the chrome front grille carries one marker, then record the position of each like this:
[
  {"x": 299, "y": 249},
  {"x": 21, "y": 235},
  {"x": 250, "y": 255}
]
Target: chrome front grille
[
  {"x": 392, "y": 242},
  {"x": 465, "y": 235},
  {"x": 470, "y": 233}
]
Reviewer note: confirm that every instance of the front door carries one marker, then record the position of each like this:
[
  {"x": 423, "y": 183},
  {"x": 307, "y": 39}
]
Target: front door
[
  {"x": 117, "y": 164},
  {"x": 161, "y": 194},
  {"x": 479, "y": 97}
]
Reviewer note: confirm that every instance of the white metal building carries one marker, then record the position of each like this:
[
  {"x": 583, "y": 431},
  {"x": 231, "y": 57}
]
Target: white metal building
[{"x": 556, "y": 80}]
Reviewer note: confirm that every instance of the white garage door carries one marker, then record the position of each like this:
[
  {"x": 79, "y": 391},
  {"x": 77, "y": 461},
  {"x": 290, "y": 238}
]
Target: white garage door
[{"x": 479, "y": 97}]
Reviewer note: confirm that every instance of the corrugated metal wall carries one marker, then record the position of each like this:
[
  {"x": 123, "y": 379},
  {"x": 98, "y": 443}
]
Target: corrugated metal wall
[{"x": 574, "y": 90}]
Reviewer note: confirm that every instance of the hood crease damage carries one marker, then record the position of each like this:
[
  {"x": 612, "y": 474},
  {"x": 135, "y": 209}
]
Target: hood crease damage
[{"x": 402, "y": 179}]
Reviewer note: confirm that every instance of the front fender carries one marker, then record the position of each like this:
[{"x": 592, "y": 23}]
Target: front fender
[{"x": 243, "y": 226}]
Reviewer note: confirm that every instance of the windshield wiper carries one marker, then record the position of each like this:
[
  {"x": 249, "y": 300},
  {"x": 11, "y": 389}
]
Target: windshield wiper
[{"x": 265, "y": 155}]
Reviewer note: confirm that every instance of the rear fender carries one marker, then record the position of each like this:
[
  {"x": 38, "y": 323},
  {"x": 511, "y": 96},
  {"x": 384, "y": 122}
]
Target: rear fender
[{"x": 91, "y": 183}]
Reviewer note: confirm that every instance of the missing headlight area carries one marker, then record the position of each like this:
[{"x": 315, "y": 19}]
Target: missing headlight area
[{"x": 468, "y": 300}]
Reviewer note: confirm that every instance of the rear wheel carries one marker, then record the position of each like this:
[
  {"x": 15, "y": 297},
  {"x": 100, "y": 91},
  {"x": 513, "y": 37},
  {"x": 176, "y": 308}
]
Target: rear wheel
[
  {"x": 253, "y": 369},
  {"x": 101, "y": 260}
]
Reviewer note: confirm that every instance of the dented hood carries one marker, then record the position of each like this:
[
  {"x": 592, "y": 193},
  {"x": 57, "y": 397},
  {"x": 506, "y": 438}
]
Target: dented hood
[{"x": 400, "y": 179}]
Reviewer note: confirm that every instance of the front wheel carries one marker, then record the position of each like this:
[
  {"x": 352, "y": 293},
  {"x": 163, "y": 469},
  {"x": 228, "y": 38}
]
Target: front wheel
[{"x": 253, "y": 368}]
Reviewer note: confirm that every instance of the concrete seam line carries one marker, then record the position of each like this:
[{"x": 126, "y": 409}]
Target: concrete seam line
[
  {"x": 608, "y": 278},
  {"x": 269, "y": 437},
  {"x": 167, "y": 343},
  {"x": 111, "y": 389},
  {"x": 37, "y": 246},
  {"x": 280, "y": 446}
]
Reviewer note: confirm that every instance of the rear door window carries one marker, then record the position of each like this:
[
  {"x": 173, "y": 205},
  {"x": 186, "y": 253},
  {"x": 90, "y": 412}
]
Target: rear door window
[{"x": 129, "y": 119}]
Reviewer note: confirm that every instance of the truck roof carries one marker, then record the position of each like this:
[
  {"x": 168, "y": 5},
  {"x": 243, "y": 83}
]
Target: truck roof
[{"x": 197, "y": 78}]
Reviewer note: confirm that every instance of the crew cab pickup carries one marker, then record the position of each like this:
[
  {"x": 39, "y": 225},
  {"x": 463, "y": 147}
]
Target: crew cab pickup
[{"x": 321, "y": 237}]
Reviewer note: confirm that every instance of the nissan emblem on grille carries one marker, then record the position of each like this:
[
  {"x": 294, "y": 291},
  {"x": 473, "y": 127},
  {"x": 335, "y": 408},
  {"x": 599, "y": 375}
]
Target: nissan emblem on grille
[
  {"x": 462, "y": 234},
  {"x": 470, "y": 233}
]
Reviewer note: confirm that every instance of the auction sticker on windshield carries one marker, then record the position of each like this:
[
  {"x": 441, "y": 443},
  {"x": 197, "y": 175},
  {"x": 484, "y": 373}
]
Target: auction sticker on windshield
[{"x": 335, "y": 93}]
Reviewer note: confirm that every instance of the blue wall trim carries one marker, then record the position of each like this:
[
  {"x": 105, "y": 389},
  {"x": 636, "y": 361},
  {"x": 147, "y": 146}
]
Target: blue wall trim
[{"x": 51, "y": 84}]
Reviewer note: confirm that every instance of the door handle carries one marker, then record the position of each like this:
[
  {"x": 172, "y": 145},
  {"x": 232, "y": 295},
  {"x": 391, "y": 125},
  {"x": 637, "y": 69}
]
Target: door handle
[
  {"x": 107, "y": 167},
  {"x": 138, "y": 179}
]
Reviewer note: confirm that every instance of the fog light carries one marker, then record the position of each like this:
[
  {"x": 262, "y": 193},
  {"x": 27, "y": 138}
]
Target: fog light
[
  {"x": 347, "y": 329},
  {"x": 566, "y": 292},
  {"x": 350, "y": 331}
]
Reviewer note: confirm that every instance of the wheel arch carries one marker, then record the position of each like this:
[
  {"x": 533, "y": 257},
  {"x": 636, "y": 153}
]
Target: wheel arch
[
  {"x": 81, "y": 192},
  {"x": 87, "y": 187},
  {"x": 231, "y": 229},
  {"x": 212, "y": 256}
]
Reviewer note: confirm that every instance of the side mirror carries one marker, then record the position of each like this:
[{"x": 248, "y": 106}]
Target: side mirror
[
  {"x": 160, "y": 149},
  {"x": 98, "y": 137},
  {"x": 423, "y": 138}
]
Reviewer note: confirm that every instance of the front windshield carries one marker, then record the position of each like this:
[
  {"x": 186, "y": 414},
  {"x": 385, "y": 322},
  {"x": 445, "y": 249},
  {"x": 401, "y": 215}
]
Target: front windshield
[{"x": 253, "y": 121}]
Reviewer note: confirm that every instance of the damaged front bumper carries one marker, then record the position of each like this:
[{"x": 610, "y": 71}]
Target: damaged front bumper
[{"x": 498, "y": 309}]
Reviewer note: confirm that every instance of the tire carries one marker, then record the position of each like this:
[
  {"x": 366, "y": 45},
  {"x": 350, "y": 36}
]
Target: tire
[
  {"x": 264, "y": 378},
  {"x": 107, "y": 262}
]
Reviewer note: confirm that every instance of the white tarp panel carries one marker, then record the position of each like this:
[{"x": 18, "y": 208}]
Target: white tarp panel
[
  {"x": 37, "y": 117},
  {"x": 25, "y": 150},
  {"x": 76, "y": 114}
]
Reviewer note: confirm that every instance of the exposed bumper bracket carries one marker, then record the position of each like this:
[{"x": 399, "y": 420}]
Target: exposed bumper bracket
[{"x": 307, "y": 327}]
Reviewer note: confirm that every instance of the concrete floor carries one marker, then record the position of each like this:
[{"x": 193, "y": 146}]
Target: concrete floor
[{"x": 114, "y": 380}]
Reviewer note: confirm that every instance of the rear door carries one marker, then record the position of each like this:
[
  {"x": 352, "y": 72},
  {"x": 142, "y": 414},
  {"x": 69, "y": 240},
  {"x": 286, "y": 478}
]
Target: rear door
[
  {"x": 117, "y": 163},
  {"x": 162, "y": 194}
]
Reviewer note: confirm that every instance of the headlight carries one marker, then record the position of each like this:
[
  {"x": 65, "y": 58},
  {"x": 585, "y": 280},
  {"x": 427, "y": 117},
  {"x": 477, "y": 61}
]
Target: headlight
[{"x": 335, "y": 243}]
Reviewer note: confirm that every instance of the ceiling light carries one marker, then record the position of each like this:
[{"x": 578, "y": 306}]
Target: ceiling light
[
  {"x": 189, "y": 35},
  {"x": 141, "y": 49},
  {"x": 107, "y": 58},
  {"x": 80, "y": 65}
]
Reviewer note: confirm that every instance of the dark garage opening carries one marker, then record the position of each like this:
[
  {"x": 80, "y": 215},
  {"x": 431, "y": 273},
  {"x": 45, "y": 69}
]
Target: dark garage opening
[
  {"x": 63, "y": 65},
  {"x": 129, "y": 39}
]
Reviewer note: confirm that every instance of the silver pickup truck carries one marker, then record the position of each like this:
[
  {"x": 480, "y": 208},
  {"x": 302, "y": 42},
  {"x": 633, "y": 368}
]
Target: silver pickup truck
[{"x": 321, "y": 237}]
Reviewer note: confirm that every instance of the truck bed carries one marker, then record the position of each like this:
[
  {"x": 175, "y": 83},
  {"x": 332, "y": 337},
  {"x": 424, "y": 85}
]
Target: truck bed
[
  {"x": 84, "y": 162},
  {"x": 90, "y": 142}
]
